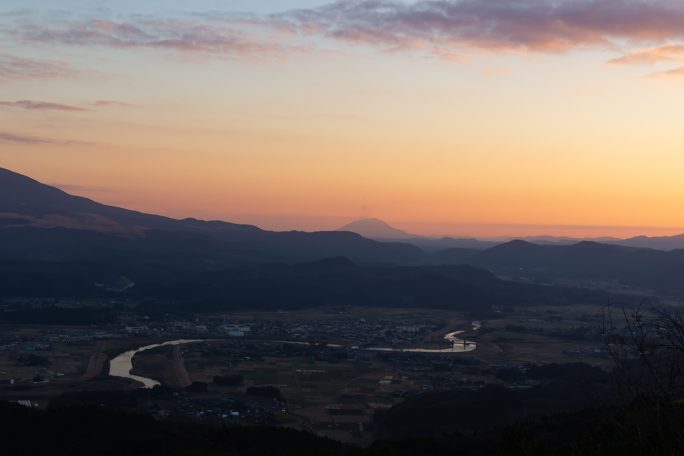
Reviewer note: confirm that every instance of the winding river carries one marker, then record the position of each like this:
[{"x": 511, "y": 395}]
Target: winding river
[{"x": 122, "y": 365}]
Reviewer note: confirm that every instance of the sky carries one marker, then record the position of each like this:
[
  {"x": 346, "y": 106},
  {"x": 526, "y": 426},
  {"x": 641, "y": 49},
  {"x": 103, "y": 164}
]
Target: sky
[{"x": 446, "y": 117}]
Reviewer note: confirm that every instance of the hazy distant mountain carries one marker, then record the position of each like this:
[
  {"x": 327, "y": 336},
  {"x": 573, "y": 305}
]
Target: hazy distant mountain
[
  {"x": 381, "y": 230},
  {"x": 660, "y": 243},
  {"x": 376, "y": 229},
  {"x": 563, "y": 240}
]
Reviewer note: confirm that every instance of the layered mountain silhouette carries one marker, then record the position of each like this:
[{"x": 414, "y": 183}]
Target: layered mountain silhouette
[
  {"x": 373, "y": 228},
  {"x": 641, "y": 262},
  {"x": 67, "y": 243},
  {"x": 658, "y": 242},
  {"x": 56, "y": 244}
]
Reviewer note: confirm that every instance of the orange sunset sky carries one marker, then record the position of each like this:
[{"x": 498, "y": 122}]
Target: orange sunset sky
[{"x": 465, "y": 117}]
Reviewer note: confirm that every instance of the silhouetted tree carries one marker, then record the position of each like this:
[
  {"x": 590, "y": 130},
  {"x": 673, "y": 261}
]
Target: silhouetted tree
[{"x": 646, "y": 344}]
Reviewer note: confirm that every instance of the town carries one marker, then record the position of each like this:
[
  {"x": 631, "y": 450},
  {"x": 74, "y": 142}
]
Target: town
[{"x": 330, "y": 371}]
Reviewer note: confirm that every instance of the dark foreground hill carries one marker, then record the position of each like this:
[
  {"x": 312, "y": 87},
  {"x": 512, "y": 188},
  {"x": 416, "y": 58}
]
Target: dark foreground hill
[
  {"x": 107, "y": 432},
  {"x": 330, "y": 282},
  {"x": 602, "y": 431}
]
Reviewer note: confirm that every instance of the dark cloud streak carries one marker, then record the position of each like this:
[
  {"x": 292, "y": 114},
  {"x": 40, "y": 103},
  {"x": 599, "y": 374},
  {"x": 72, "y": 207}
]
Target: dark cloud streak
[
  {"x": 111, "y": 103},
  {"x": 41, "y": 106},
  {"x": 20, "y": 138},
  {"x": 24, "y": 139},
  {"x": 14, "y": 67},
  {"x": 184, "y": 36}
]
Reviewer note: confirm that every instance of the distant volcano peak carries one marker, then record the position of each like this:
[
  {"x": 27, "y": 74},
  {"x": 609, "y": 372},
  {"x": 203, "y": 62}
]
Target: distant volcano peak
[{"x": 376, "y": 229}]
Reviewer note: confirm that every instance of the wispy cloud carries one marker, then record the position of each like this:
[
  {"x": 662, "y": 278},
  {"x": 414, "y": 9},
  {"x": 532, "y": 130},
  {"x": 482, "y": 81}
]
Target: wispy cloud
[
  {"x": 446, "y": 29},
  {"x": 14, "y": 67},
  {"x": 674, "y": 73},
  {"x": 494, "y": 25},
  {"x": 41, "y": 106},
  {"x": 27, "y": 139},
  {"x": 652, "y": 55},
  {"x": 180, "y": 35},
  {"x": 110, "y": 103},
  {"x": 23, "y": 139},
  {"x": 33, "y": 105}
]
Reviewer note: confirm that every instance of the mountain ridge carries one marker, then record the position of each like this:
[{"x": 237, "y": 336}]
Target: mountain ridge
[
  {"x": 374, "y": 228},
  {"x": 31, "y": 208}
]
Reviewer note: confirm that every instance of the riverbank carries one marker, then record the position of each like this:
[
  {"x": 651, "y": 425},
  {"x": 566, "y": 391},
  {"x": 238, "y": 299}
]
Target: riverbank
[{"x": 122, "y": 365}]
